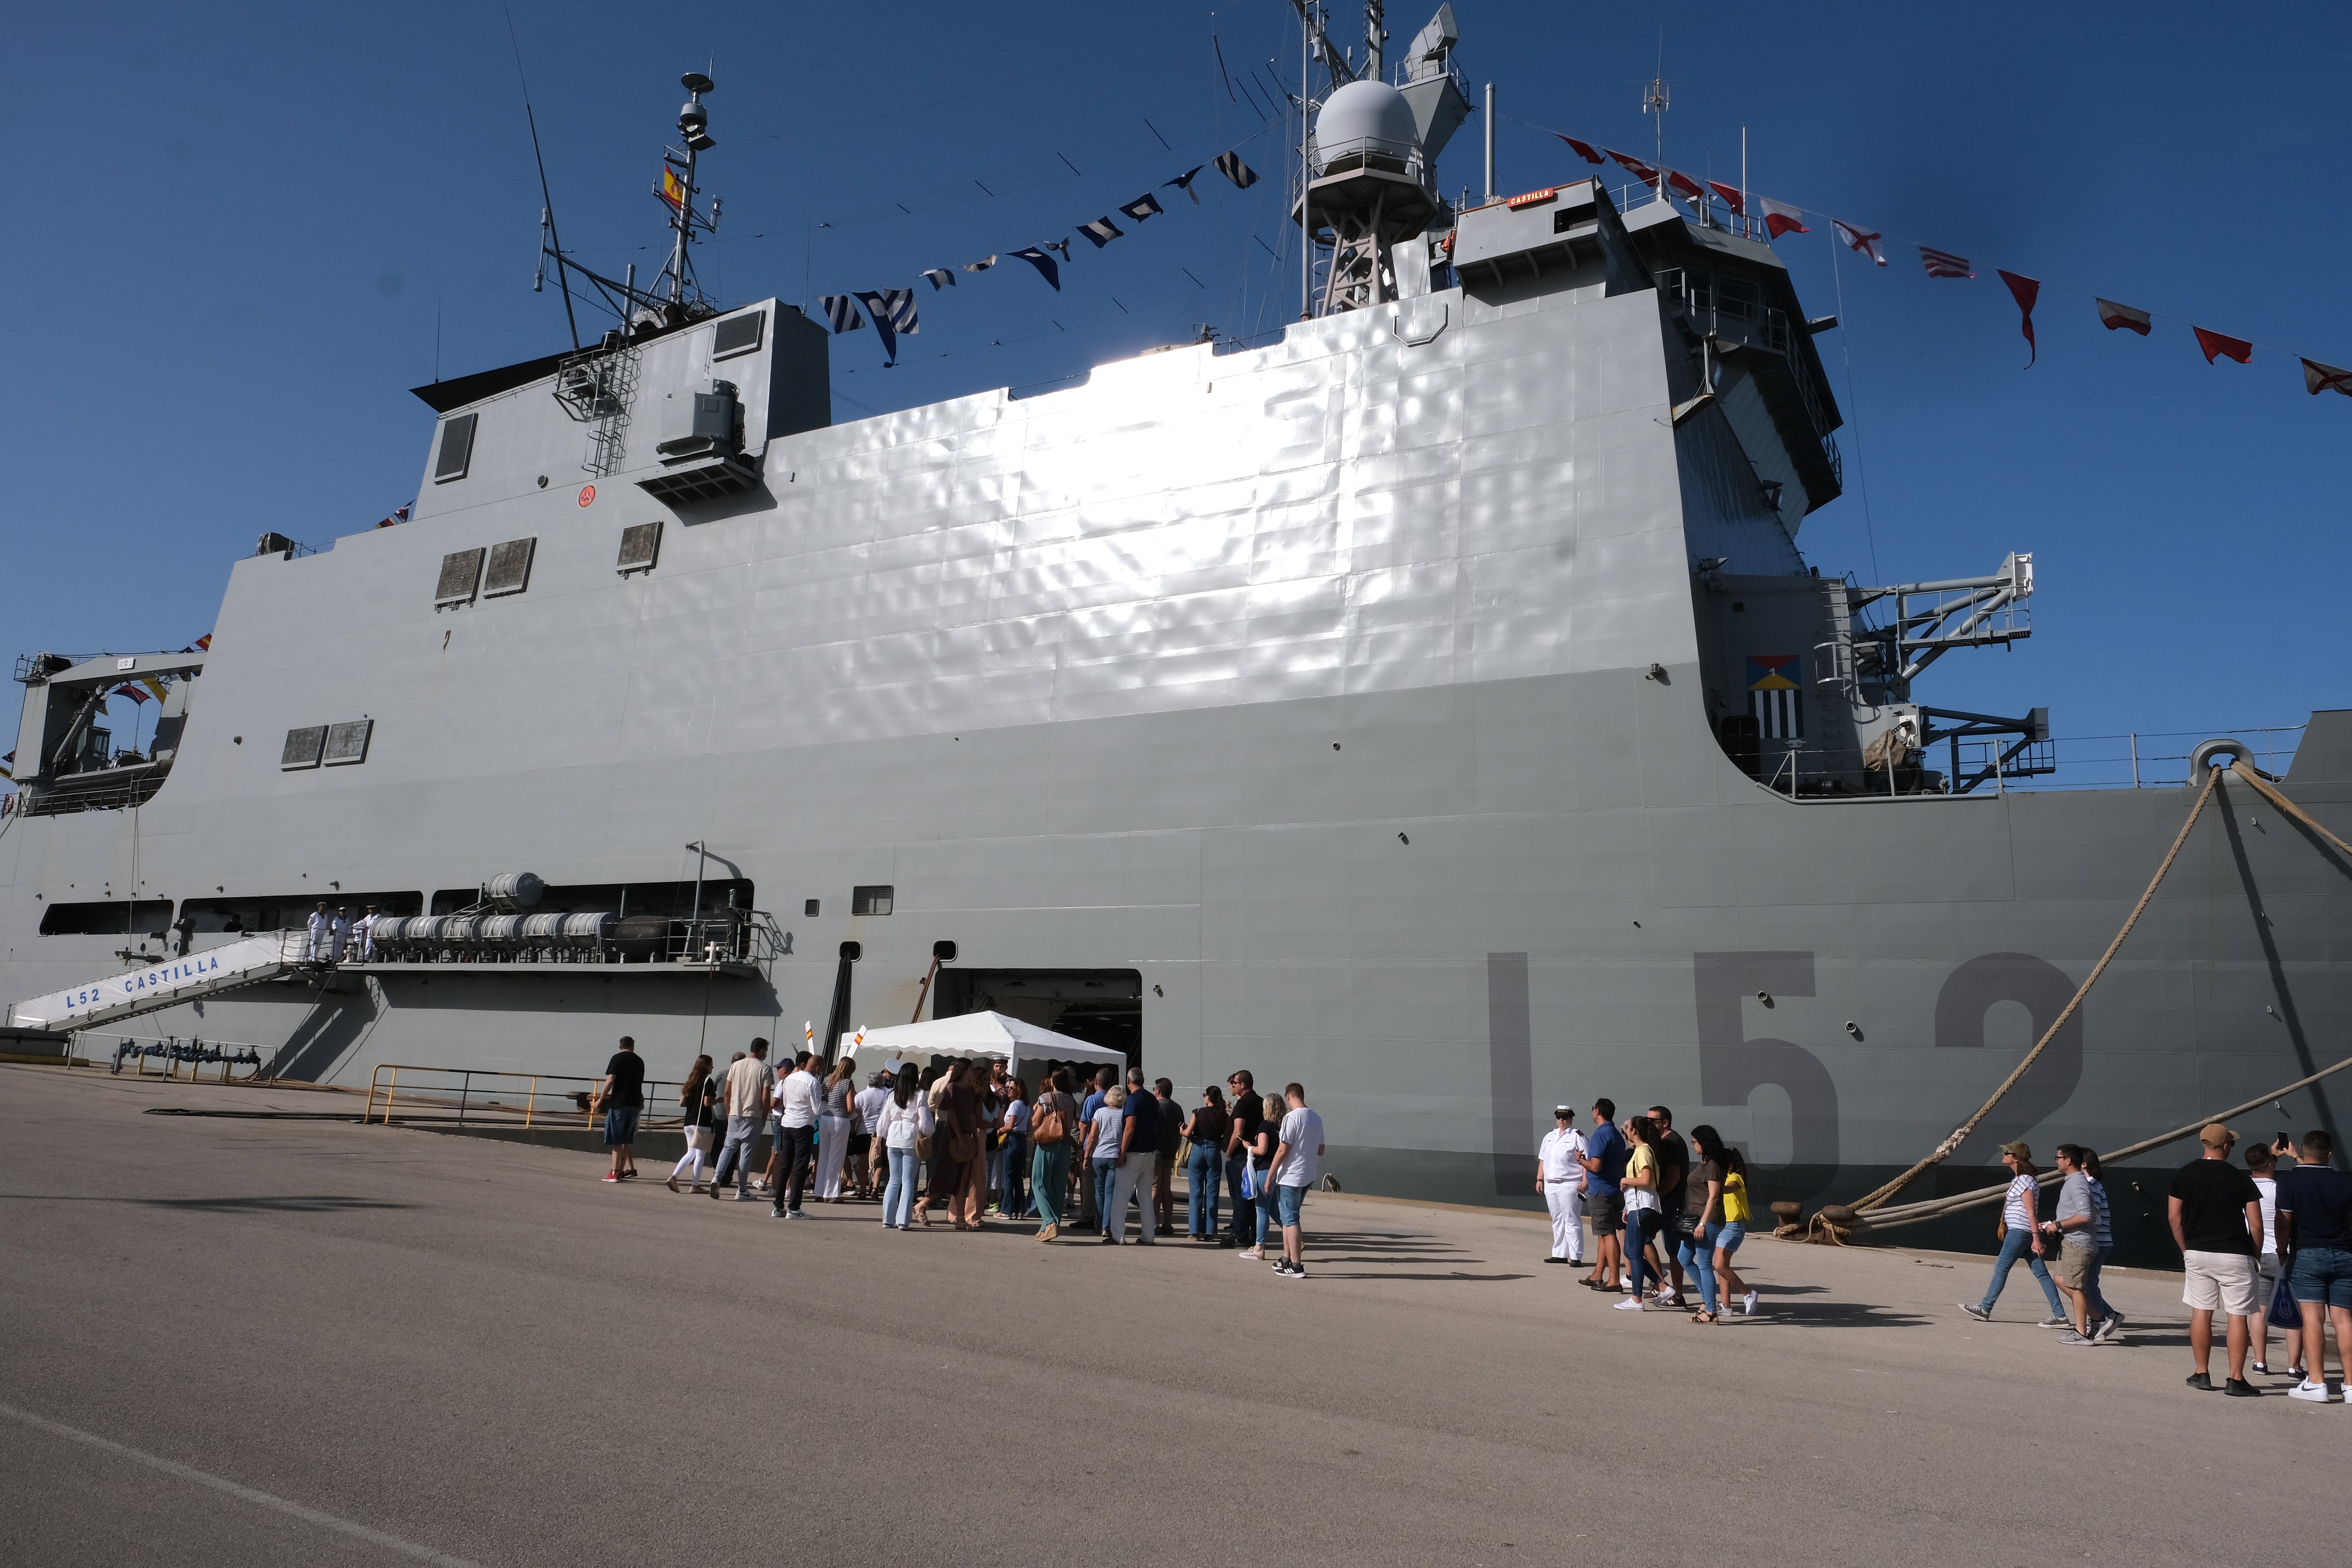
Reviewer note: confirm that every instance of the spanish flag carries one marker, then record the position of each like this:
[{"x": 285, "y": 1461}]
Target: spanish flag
[{"x": 673, "y": 188}]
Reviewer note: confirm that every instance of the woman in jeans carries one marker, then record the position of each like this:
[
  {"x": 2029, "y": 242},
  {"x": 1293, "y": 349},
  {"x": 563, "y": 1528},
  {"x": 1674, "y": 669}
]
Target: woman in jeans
[
  {"x": 2020, "y": 1232},
  {"x": 1697, "y": 1250},
  {"x": 1204, "y": 1134},
  {"x": 1262, "y": 1148},
  {"x": 1049, "y": 1165},
  {"x": 1011, "y": 1200},
  {"x": 1640, "y": 1185},
  {"x": 895, "y": 1132},
  {"x": 1102, "y": 1154},
  {"x": 695, "y": 1099}
]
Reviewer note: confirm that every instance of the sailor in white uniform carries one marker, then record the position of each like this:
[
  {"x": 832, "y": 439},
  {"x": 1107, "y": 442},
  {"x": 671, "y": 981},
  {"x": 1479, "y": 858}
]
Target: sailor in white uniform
[
  {"x": 318, "y": 925},
  {"x": 1560, "y": 1179},
  {"x": 363, "y": 934}
]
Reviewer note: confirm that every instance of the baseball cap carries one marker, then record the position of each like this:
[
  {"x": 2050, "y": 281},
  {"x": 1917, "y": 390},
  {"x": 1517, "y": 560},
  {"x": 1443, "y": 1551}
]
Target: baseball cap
[
  {"x": 2216, "y": 1136},
  {"x": 2019, "y": 1147}
]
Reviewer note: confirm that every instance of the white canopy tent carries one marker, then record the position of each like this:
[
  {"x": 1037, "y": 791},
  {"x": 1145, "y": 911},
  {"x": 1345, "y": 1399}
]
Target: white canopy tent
[{"x": 976, "y": 1036}]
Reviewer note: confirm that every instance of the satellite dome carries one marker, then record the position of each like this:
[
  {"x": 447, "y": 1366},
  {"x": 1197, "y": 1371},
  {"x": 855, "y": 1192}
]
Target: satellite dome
[{"x": 1365, "y": 117}]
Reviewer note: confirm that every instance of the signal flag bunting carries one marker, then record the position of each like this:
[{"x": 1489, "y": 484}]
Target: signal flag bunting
[{"x": 2025, "y": 290}]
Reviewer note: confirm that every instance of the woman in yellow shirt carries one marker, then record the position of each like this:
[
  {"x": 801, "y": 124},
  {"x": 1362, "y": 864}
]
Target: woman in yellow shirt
[
  {"x": 1722, "y": 1225},
  {"x": 1640, "y": 1185}
]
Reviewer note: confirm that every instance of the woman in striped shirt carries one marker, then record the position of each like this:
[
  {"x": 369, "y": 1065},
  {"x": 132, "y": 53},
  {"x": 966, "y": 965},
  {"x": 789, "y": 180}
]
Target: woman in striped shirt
[{"x": 2019, "y": 1235}]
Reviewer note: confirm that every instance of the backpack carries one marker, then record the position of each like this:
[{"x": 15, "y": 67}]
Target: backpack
[{"x": 1048, "y": 1129}]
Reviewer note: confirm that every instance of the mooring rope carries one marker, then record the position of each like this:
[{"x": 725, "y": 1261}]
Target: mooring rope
[{"x": 1945, "y": 1150}]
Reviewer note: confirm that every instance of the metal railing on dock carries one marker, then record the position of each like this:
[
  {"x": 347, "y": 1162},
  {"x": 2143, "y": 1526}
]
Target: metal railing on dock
[{"x": 450, "y": 1094}]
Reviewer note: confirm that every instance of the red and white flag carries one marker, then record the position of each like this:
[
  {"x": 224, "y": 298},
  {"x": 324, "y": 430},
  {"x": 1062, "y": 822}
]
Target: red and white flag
[
  {"x": 2318, "y": 378},
  {"x": 1944, "y": 264},
  {"x": 1583, "y": 149},
  {"x": 2025, "y": 292},
  {"x": 1683, "y": 185},
  {"x": 1780, "y": 220},
  {"x": 1860, "y": 240},
  {"x": 2215, "y": 345},
  {"x": 1731, "y": 197},
  {"x": 1642, "y": 172},
  {"x": 2114, "y": 316}
]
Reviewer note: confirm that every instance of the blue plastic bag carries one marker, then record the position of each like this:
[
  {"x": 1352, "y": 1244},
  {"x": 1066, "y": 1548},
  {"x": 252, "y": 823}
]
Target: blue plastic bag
[{"x": 2285, "y": 1313}]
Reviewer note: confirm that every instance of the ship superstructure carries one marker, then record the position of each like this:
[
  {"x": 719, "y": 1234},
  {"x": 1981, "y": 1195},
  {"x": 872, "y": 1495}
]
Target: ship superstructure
[{"x": 1432, "y": 704}]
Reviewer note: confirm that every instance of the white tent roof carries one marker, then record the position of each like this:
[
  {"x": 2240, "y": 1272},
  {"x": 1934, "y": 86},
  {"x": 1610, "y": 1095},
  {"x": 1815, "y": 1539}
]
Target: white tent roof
[{"x": 974, "y": 1035}]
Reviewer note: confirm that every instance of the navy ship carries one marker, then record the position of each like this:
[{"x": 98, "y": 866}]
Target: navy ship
[{"x": 1433, "y": 703}]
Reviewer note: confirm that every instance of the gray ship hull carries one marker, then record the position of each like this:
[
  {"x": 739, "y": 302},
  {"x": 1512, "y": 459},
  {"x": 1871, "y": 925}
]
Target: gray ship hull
[{"x": 1352, "y": 693}]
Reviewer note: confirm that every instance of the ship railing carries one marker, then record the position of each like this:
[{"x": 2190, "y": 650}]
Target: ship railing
[
  {"x": 493, "y": 1097},
  {"x": 199, "y": 1055},
  {"x": 2133, "y": 760}
]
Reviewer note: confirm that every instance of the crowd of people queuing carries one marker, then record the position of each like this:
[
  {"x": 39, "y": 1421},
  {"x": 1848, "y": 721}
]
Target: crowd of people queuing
[
  {"x": 2266, "y": 1243},
  {"x": 1668, "y": 1215},
  {"x": 971, "y": 1139}
]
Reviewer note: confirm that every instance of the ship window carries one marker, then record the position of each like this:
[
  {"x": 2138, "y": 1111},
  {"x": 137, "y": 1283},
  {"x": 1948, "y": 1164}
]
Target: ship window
[
  {"x": 457, "y": 448},
  {"x": 117, "y": 917},
  {"x": 347, "y": 742},
  {"x": 461, "y": 571},
  {"x": 509, "y": 568},
  {"x": 303, "y": 747},
  {"x": 809, "y": 908},
  {"x": 738, "y": 334},
  {"x": 640, "y": 544},
  {"x": 241, "y": 913},
  {"x": 873, "y": 901}
]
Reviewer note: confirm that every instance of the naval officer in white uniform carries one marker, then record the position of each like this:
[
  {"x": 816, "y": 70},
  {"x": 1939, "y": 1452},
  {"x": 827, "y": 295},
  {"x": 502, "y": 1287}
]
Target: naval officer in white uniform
[
  {"x": 1560, "y": 1179},
  {"x": 318, "y": 924}
]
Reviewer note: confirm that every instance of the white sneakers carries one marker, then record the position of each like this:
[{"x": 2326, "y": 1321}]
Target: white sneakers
[
  {"x": 1254, "y": 1254},
  {"x": 2314, "y": 1392},
  {"x": 1632, "y": 1306},
  {"x": 1748, "y": 1304}
]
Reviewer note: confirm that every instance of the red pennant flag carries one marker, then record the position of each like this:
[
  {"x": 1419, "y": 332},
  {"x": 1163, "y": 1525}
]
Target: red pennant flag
[
  {"x": 1642, "y": 172},
  {"x": 1683, "y": 185},
  {"x": 2114, "y": 316},
  {"x": 136, "y": 694},
  {"x": 1860, "y": 240},
  {"x": 1778, "y": 219},
  {"x": 2215, "y": 345},
  {"x": 2025, "y": 290},
  {"x": 1583, "y": 149},
  {"x": 205, "y": 641},
  {"x": 2318, "y": 378},
  {"x": 1731, "y": 197}
]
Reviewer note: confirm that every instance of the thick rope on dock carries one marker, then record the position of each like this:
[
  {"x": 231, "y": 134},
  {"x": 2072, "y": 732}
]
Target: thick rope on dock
[{"x": 1945, "y": 1150}]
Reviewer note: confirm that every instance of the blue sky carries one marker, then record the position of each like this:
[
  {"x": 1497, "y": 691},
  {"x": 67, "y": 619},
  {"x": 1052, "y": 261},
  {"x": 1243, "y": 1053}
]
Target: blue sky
[{"x": 243, "y": 231}]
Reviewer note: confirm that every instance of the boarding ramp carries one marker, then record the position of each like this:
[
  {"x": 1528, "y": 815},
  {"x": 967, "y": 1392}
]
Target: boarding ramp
[{"x": 268, "y": 956}]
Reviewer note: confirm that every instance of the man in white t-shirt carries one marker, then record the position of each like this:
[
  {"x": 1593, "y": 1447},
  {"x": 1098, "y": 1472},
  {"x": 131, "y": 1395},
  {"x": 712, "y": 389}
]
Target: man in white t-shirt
[
  {"x": 800, "y": 1097},
  {"x": 1299, "y": 1146},
  {"x": 1559, "y": 1177},
  {"x": 867, "y": 1162}
]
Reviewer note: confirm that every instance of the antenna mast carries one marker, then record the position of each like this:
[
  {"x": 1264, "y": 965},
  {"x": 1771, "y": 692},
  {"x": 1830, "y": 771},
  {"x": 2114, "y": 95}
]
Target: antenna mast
[
  {"x": 1655, "y": 101},
  {"x": 692, "y": 121}
]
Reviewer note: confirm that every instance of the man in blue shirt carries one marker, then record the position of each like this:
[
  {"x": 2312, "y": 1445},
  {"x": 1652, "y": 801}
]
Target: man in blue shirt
[
  {"x": 2314, "y": 1213},
  {"x": 1138, "y": 1157},
  {"x": 1604, "y": 1199}
]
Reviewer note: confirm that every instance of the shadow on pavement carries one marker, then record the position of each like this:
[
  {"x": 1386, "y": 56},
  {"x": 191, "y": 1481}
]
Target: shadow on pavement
[{"x": 283, "y": 1204}]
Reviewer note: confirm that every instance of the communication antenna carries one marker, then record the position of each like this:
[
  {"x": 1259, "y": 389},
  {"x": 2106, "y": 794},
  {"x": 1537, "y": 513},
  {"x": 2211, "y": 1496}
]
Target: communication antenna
[
  {"x": 1655, "y": 101},
  {"x": 693, "y": 121}
]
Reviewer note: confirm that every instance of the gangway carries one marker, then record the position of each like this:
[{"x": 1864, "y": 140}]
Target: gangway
[{"x": 268, "y": 956}]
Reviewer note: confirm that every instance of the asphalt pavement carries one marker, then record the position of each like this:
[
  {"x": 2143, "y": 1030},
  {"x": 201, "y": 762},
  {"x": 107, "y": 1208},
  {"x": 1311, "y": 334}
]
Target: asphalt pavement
[{"x": 246, "y": 1340}]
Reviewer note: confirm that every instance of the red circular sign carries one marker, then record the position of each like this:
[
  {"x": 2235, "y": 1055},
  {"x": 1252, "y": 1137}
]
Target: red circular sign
[{"x": 587, "y": 494}]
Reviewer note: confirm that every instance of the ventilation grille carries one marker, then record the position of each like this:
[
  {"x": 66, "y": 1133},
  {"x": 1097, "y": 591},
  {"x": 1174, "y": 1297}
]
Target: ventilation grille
[
  {"x": 457, "y": 448},
  {"x": 347, "y": 742},
  {"x": 509, "y": 568},
  {"x": 460, "y": 571},
  {"x": 640, "y": 546},
  {"x": 303, "y": 747},
  {"x": 738, "y": 334}
]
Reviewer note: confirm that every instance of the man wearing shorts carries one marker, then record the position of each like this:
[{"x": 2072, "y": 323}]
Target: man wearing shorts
[
  {"x": 1295, "y": 1158},
  {"x": 1604, "y": 1200},
  {"x": 2314, "y": 1209},
  {"x": 2216, "y": 1222},
  {"x": 623, "y": 1096}
]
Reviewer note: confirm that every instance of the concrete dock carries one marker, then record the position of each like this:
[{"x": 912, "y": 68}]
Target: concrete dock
[{"x": 242, "y": 1338}]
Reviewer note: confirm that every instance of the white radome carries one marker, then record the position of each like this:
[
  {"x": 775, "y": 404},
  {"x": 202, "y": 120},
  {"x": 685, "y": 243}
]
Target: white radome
[{"x": 1367, "y": 116}]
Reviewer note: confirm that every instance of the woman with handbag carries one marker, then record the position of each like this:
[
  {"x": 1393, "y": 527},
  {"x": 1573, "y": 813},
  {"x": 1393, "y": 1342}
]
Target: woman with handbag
[
  {"x": 2018, "y": 1233},
  {"x": 1050, "y": 1124},
  {"x": 696, "y": 1099},
  {"x": 897, "y": 1131},
  {"x": 1259, "y": 1177},
  {"x": 1204, "y": 1135}
]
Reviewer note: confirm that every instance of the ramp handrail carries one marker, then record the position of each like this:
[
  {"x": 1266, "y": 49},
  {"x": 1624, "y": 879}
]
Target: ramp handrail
[{"x": 437, "y": 1092}]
